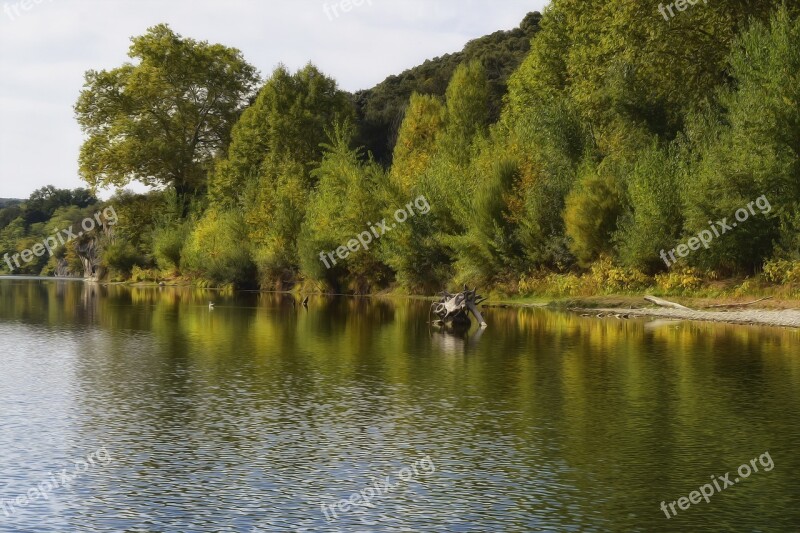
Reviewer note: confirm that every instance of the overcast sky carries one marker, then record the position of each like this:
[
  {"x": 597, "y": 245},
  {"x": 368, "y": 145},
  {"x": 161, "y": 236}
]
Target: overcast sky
[{"x": 45, "y": 50}]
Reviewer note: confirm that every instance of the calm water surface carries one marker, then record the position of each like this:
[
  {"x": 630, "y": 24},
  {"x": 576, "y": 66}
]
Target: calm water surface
[{"x": 252, "y": 416}]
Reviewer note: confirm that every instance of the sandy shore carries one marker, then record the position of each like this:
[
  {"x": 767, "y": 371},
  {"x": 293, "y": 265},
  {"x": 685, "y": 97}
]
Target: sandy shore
[{"x": 764, "y": 317}]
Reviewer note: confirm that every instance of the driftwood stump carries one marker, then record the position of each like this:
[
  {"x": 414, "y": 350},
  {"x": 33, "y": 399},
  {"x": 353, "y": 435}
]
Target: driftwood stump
[{"x": 455, "y": 308}]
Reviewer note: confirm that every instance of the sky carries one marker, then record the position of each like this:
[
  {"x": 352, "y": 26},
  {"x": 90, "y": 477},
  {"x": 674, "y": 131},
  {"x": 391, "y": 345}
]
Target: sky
[{"x": 46, "y": 46}]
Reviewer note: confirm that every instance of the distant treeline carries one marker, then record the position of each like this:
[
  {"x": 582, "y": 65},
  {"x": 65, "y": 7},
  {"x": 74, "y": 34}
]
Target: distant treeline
[
  {"x": 608, "y": 137},
  {"x": 48, "y": 211},
  {"x": 6, "y": 202}
]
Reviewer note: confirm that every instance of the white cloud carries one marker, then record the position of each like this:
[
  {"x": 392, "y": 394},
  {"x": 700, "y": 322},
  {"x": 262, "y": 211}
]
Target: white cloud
[{"x": 45, "y": 50}]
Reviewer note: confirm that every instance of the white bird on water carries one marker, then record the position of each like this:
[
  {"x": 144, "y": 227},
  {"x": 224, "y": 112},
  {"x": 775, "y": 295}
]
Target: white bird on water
[{"x": 210, "y": 306}]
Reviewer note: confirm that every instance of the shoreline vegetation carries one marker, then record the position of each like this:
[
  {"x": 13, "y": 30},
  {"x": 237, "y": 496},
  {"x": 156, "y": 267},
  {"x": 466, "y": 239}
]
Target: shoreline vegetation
[
  {"x": 572, "y": 159},
  {"x": 775, "y": 309}
]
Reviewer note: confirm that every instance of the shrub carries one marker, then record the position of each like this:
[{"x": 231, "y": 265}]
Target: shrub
[
  {"x": 607, "y": 278},
  {"x": 120, "y": 257},
  {"x": 590, "y": 216},
  {"x": 603, "y": 278},
  {"x": 139, "y": 274},
  {"x": 217, "y": 249},
  {"x": 679, "y": 280},
  {"x": 782, "y": 271},
  {"x": 168, "y": 243}
]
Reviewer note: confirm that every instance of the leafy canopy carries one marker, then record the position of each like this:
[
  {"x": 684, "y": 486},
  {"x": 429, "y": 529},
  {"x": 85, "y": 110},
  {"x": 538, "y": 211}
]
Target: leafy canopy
[{"x": 163, "y": 118}]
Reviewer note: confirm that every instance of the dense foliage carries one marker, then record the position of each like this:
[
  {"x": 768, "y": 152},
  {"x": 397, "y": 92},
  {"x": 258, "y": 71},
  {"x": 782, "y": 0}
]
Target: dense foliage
[
  {"x": 26, "y": 223},
  {"x": 162, "y": 120},
  {"x": 381, "y": 109},
  {"x": 597, "y": 139}
]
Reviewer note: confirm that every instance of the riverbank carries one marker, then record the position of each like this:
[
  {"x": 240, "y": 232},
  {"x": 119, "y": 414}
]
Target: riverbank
[
  {"x": 762, "y": 317},
  {"x": 768, "y": 312},
  {"x": 773, "y": 310}
]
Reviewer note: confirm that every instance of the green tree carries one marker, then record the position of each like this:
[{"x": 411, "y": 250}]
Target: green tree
[
  {"x": 43, "y": 202},
  {"x": 288, "y": 120},
  {"x": 490, "y": 249},
  {"x": 467, "y": 111},
  {"x": 450, "y": 183},
  {"x": 217, "y": 250},
  {"x": 754, "y": 151},
  {"x": 269, "y": 166},
  {"x": 591, "y": 212},
  {"x": 348, "y": 197},
  {"x": 653, "y": 211},
  {"x": 162, "y": 119},
  {"x": 416, "y": 143},
  {"x": 626, "y": 62}
]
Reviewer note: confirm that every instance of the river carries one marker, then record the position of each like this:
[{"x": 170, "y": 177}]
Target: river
[{"x": 143, "y": 410}]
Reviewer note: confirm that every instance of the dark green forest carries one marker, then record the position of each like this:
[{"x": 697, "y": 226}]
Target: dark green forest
[{"x": 596, "y": 148}]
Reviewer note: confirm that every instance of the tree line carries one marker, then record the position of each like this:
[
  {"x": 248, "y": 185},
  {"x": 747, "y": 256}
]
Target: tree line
[{"x": 609, "y": 136}]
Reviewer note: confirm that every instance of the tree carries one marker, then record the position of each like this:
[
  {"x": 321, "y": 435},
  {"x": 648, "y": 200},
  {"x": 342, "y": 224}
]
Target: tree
[
  {"x": 45, "y": 201},
  {"x": 467, "y": 111},
  {"x": 216, "y": 250},
  {"x": 270, "y": 162},
  {"x": 381, "y": 108},
  {"x": 449, "y": 182},
  {"x": 755, "y": 152},
  {"x": 287, "y": 121},
  {"x": 349, "y": 195},
  {"x": 591, "y": 212},
  {"x": 489, "y": 248},
  {"x": 162, "y": 120},
  {"x": 422, "y": 125}
]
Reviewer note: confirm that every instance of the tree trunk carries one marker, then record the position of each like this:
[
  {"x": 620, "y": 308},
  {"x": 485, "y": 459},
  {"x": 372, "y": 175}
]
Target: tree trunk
[
  {"x": 664, "y": 303},
  {"x": 455, "y": 308}
]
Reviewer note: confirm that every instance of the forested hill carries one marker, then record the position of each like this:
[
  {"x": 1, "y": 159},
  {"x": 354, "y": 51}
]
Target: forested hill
[
  {"x": 623, "y": 149},
  {"x": 381, "y": 109}
]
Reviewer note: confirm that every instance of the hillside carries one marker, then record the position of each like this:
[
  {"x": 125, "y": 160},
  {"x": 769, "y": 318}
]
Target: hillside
[{"x": 380, "y": 109}]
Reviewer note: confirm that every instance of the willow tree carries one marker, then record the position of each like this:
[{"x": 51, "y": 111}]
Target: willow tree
[{"x": 161, "y": 119}]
